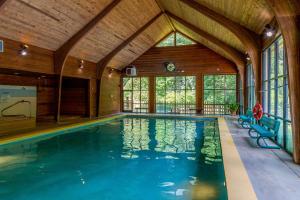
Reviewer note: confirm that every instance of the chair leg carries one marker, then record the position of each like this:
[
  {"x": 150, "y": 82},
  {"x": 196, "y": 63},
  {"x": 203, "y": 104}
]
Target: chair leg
[
  {"x": 265, "y": 146},
  {"x": 245, "y": 125},
  {"x": 251, "y": 135}
]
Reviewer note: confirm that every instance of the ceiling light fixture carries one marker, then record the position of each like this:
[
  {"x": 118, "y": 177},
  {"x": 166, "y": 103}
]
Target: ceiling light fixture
[
  {"x": 24, "y": 50},
  {"x": 247, "y": 56},
  {"x": 110, "y": 72},
  {"x": 81, "y": 64},
  {"x": 269, "y": 30}
]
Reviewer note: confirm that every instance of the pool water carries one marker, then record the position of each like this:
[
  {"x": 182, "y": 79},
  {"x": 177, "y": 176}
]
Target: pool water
[{"x": 128, "y": 158}]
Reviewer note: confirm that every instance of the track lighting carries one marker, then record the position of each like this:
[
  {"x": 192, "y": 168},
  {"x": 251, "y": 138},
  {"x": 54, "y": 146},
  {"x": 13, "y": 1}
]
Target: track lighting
[
  {"x": 24, "y": 50},
  {"x": 81, "y": 64},
  {"x": 269, "y": 30}
]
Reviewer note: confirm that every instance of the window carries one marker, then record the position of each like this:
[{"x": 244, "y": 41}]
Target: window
[
  {"x": 135, "y": 94},
  {"x": 175, "y": 39},
  {"x": 219, "y": 90},
  {"x": 250, "y": 87},
  {"x": 275, "y": 91},
  {"x": 176, "y": 94}
]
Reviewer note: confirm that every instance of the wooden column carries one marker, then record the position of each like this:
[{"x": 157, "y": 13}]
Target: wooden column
[
  {"x": 287, "y": 13},
  {"x": 199, "y": 93},
  {"x": 151, "y": 94},
  {"x": 92, "y": 97}
]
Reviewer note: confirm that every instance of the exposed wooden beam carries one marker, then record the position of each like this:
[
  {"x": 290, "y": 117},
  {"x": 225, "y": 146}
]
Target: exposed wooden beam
[
  {"x": 287, "y": 13},
  {"x": 167, "y": 17},
  {"x": 250, "y": 40},
  {"x": 2, "y": 3},
  {"x": 101, "y": 65},
  {"x": 60, "y": 55},
  {"x": 237, "y": 57}
]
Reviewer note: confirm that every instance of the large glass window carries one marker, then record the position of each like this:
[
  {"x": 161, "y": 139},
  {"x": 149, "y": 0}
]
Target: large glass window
[
  {"x": 250, "y": 86},
  {"x": 135, "y": 94},
  {"x": 175, "y": 39},
  {"x": 275, "y": 91},
  {"x": 219, "y": 90},
  {"x": 176, "y": 94}
]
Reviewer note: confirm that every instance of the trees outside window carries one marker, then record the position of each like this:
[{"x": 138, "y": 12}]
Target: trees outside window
[
  {"x": 176, "y": 94},
  {"x": 136, "y": 94},
  {"x": 219, "y": 91},
  {"x": 275, "y": 91}
]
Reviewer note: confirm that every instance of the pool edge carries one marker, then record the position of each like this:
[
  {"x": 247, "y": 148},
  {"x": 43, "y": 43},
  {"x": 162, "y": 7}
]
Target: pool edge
[
  {"x": 237, "y": 180},
  {"x": 49, "y": 131}
]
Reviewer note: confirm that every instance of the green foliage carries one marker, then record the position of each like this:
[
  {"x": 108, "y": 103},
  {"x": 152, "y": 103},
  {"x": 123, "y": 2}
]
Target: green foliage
[
  {"x": 233, "y": 107},
  {"x": 180, "y": 41}
]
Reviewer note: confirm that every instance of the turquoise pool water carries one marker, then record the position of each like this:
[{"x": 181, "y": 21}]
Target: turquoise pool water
[{"x": 129, "y": 158}]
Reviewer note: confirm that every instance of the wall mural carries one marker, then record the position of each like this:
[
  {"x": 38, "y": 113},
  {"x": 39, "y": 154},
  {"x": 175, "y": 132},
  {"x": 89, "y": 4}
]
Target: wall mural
[{"x": 18, "y": 101}]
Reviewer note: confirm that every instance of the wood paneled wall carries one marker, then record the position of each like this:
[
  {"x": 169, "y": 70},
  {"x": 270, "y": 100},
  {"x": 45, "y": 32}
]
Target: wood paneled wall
[
  {"x": 109, "y": 93},
  {"x": 194, "y": 59},
  {"x": 46, "y": 92},
  {"x": 40, "y": 62}
]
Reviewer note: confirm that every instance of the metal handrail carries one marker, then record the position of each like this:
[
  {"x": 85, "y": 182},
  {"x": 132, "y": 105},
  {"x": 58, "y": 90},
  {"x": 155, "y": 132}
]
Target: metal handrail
[{"x": 14, "y": 104}]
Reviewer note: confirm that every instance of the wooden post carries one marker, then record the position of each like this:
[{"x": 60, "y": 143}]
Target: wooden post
[
  {"x": 151, "y": 94},
  {"x": 199, "y": 94}
]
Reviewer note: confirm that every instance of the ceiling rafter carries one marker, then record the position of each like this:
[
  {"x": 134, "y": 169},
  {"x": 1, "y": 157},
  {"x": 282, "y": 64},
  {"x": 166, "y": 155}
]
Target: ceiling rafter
[
  {"x": 104, "y": 61},
  {"x": 60, "y": 55},
  {"x": 2, "y": 3},
  {"x": 236, "y": 56},
  {"x": 101, "y": 65},
  {"x": 167, "y": 17},
  {"x": 250, "y": 39}
]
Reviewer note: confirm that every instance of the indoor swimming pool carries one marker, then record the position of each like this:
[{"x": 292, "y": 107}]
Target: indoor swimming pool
[{"x": 133, "y": 157}]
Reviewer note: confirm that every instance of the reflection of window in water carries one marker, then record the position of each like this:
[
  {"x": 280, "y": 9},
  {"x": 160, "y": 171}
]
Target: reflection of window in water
[
  {"x": 211, "y": 148},
  {"x": 175, "y": 136},
  {"x": 136, "y": 134}
]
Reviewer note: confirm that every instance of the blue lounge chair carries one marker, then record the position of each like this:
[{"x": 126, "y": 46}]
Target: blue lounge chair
[
  {"x": 267, "y": 128},
  {"x": 245, "y": 120}
]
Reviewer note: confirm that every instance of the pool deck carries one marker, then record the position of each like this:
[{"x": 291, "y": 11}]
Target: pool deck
[{"x": 273, "y": 174}]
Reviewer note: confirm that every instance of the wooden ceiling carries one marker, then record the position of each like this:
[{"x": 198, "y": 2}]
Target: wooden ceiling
[{"x": 50, "y": 23}]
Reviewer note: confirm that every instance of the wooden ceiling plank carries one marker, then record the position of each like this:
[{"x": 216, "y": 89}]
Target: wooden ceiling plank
[
  {"x": 2, "y": 3},
  {"x": 101, "y": 65},
  {"x": 250, "y": 39},
  {"x": 236, "y": 56},
  {"x": 103, "y": 62},
  {"x": 60, "y": 55}
]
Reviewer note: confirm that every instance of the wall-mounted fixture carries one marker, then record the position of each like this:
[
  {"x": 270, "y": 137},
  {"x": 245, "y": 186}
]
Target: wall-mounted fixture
[
  {"x": 110, "y": 72},
  {"x": 131, "y": 70},
  {"x": 247, "y": 56},
  {"x": 269, "y": 30},
  {"x": 170, "y": 67},
  {"x": 81, "y": 64},
  {"x": 24, "y": 50}
]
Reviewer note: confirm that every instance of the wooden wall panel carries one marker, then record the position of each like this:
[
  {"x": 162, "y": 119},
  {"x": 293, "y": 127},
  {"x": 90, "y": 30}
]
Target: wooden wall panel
[
  {"x": 46, "y": 91},
  {"x": 192, "y": 59},
  {"x": 109, "y": 94},
  {"x": 40, "y": 60}
]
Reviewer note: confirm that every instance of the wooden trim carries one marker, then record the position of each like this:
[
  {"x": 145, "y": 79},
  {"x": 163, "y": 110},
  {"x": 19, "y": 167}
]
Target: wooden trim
[
  {"x": 251, "y": 40},
  {"x": 167, "y": 17},
  {"x": 60, "y": 55}
]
